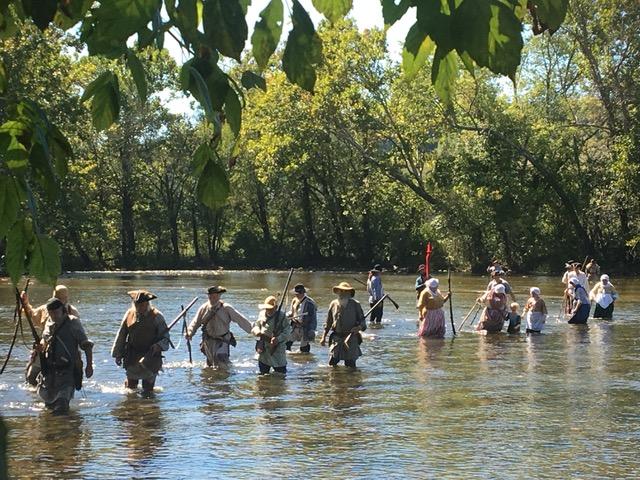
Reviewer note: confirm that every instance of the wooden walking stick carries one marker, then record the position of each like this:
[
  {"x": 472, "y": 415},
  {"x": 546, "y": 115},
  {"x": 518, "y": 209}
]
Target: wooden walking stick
[
  {"x": 453, "y": 327},
  {"x": 467, "y": 316}
]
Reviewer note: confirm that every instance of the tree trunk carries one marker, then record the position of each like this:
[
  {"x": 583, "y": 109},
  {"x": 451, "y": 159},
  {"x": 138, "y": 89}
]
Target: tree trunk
[
  {"x": 194, "y": 230},
  {"x": 127, "y": 230},
  {"x": 311, "y": 240}
]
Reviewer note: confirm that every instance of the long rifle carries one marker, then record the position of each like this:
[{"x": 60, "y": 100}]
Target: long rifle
[
  {"x": 17, "y": 318},
  {"x": 168, "y": 328},
  {"x": 453, "y": 327},
  {"x": 346, "y": 340},
  {"x": 395, "y": 304},
  {"x": 282, "y": 297},
  {"x": 34, "y": 333},
  {"x": 184, "y": 329}
]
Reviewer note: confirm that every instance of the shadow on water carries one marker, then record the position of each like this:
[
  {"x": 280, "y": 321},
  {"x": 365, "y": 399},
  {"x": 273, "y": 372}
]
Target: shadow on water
[{"x": 141, "y": 429}]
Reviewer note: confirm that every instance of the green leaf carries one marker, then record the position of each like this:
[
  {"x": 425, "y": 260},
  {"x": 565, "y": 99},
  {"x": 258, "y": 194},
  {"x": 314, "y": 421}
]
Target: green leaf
[
  {"x": 41, "y": 11},
  {"x": 9, "y": 203},
  {"x": 12, "y": 152},
  {"x": 196, "y": 85},
  {"x": 267, "y": 32},
  {"x": 233, "y": 111},
  {"x": 551, "y": 13},
  {"x": 109, "y": 25},
  {"x": 444, "y": 73},
  {"x": 41, "y": 169},
  {"x": 18, "y": 240},
  {"x": 60, "y": 150},
  {"x": 417, "y": 48},
  {"x": 138, "y": 74},
  {"x": 333, "y": 9},
  {"x": 105, "y": 104},
  {"x": 251, "y": 80},
  {"x": 435, "y": 21},
  {"x": 7, "y": 21},
  {"x": 303, "y": 52},
  {"x": 225, "y": 26},
  {"x": 213, "y": 184},
  {"x": 71, "y": 13},
  {"x": 490, "y": 33},
  {"x": 185, "y": 17},
  {"x": 392, "y": 11},
  {"x": 44, "y": 261}
]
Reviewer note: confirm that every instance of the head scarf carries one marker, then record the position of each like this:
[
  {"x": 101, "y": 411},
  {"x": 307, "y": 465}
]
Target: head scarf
[
  {"x": 534, "y": 291},
  {"x": 499, "y": 288},
  {"x": 433, "y": 283},
  {"x": 604, "y": 277}
]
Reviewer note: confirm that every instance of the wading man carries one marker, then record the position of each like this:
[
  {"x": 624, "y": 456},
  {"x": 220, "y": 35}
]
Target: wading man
[
  {"x": 345, "y": 321},
  {"x": 273, "y": 331},
  {"x": 215, "y": 318},
  {"x": 142, "y": 336},
  {"x": 304, "y": 321},
  {"x": 61, "y": 374},
  {"x": 376, "y": 292}
]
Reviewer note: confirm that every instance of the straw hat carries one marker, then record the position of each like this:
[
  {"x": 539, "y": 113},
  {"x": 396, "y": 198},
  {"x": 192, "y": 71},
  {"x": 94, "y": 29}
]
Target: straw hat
[
  {"x": 141, "y": 296},
  {"x": 269, "y": 303},
  {"x": 344, "y": 287}
]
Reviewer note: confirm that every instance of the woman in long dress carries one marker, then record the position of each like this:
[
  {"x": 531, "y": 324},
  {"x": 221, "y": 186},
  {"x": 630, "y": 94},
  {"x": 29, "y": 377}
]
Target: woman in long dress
[
  {"x": 495, "y": 313},
  {"x": 536, "y": 311},
  {"x": 582, "y": 305},
  {"x": 604, "y": 295},
  {"x": 432, "y": 323}
]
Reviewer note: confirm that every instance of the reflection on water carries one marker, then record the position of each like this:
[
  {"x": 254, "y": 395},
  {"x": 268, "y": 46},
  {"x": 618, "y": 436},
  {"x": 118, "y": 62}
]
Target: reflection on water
[{"x": 474, "y": 406}]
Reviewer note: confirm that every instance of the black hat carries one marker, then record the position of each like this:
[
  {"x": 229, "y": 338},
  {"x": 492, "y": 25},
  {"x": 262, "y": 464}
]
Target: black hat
[
  {"x": 216, "y": 289},
  {"x": 299, "y": 288},
  {"x": 54, "y": 303},
  {"x": 141, "y": 296},
  {"x": 377, "y": 268}
]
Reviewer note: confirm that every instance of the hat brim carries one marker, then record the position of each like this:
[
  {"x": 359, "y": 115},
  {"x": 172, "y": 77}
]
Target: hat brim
[
  {"x": 220, "y": 290},
  {"x": 266, "y": 306},
  {"x": 339, "y": 289}
]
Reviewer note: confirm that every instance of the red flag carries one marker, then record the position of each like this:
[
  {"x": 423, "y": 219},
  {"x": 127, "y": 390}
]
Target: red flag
[{"x": 427, "y": 258}]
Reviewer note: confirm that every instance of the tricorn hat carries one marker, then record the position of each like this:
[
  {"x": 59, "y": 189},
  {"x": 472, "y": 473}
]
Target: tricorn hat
[
  {"x": 54, "y": 303},
  {"x": 422, "y": 267},
  {"x": 377, "y": 268},
  {"x": 344, "y": 287},
  {"x": 269, "y": 303},
  {"x": 216, "y": 289},
  {"x": 299, "y": 288},
  {"x": 141, "y": 296}
]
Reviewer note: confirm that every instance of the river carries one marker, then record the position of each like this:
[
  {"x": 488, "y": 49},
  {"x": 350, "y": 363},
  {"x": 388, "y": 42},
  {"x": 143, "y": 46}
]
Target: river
[{"x": 558, "y": 405}]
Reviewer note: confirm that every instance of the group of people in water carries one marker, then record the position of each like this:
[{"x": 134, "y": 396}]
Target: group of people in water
[
  {"x": 56, "y": 366},
  {"x": 500, "y": 304}
]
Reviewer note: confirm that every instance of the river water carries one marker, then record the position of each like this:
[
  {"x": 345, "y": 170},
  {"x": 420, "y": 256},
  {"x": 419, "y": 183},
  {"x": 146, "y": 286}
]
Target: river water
[{"x": 559, "y": 405}]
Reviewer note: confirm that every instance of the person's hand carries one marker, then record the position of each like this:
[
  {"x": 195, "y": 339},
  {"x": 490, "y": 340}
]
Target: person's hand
[
  {"x": 187, "y": 337},
  {"x": 155, "y": 349},
  {"x": 355, "y": 329},
  {"x": 24, "y": 296},
  {"x": 88, "y": 371},
  {"x": 39, "y": 347},
  {"x": 274, "y": 341},
  {"x": 118, "y": 361}
]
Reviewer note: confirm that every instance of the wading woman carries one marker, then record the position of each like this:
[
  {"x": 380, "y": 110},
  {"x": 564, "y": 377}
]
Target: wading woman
[
  {"x": 604, "y": 295},
  {"x": 536, "y": 311},
  {"x": 432, "y": 322},
  {"x": 581, "y": 305},
  {"x": 495, "y": 313}
]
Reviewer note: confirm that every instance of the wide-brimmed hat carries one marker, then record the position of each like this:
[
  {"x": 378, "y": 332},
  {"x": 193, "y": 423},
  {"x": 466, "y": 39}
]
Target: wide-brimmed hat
[
  {"x": 344, "y": 287},
  {"x": 422, "y": 267},
  {"x": 54, "y": 303},
  {"x": 377, "y": 268},
  {"x": 299, "y": 288},
  {"x": 269, "y": 303},
  {"x": 216, "y": 289},
  {"x": 141, "y": 296}
]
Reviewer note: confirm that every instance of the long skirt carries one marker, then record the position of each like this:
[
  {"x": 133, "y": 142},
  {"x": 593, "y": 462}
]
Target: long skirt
[
  {"x": 536, "y": 321},
  {"x": 603, "y": 312},
  {"x": 433, "y": 325},
  {"x": 581, "y": 315},
  {"x": 492, "y": 320}
]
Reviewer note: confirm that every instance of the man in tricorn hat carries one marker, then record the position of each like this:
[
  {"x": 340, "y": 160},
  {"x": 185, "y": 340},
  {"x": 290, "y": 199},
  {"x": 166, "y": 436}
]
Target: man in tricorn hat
[
  {"x": 142, "y": 336},
  {"x": 345, "y": 320},
  {"x": 376, "y": 292},
  {"x": 273, "y": 331},
  {"x": 62, "y": 370},
  {"x": 215, "y": 317},
  {"x": 303, "y": 319}
]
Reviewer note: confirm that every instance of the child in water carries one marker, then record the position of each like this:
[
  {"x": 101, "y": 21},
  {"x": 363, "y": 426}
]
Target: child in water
[{"x": 514, "y": 319}]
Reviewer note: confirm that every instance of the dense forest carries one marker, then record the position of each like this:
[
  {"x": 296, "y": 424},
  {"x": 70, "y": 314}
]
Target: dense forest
[{"x": 366, "y": 168}]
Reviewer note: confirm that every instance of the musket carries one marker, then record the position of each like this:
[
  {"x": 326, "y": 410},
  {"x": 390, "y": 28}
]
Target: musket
[
  {"x": 170, "y": 326},
  {"x": 453, "y": 327},
  {"x": 395, "y": 304},
  {"x": 467, "y": 315},
  {"x": 346, "y": 340},
  {"x": 17, "y": 317},
  {"x": 284, "y": 293},
  {"x": 184, "y": 330},
  {"x": 34, "y": 333}
]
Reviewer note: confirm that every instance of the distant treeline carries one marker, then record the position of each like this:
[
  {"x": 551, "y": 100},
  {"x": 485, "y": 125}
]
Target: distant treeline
[{"x": 368, "y": 168}]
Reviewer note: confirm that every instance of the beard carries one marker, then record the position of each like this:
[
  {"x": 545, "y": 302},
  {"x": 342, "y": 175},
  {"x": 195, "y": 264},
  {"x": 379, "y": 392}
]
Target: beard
[{"x": 343, "y": 299}]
